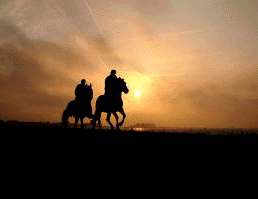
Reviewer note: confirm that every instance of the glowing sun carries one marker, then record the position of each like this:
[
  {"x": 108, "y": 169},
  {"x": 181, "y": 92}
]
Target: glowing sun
[{"x": 137, "y": 93}]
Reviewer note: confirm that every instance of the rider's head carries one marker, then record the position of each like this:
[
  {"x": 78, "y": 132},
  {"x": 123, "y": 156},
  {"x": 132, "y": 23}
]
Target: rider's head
[
  {"x": 83, "y": 81},
  {"x": 113, "y": 72}
]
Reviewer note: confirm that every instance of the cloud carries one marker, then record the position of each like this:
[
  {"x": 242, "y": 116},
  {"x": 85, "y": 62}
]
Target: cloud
[
  {"x": 228, "y": 101},
  {"x": 21, "y": 74},
  {"x": 199, "y": 78},
  {"x": 38, "y": 77}
]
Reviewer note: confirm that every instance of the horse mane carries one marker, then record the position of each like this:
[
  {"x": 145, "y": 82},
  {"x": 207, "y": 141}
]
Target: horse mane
[{"x": 121, "y": 79}]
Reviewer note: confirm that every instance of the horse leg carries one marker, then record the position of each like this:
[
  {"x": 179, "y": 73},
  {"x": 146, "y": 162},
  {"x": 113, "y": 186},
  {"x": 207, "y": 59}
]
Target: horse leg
[
  {"x": 108, "y": 120},
  {"x": 99, "y": 120},
  {"x": 76, "y": 122},
  {"x": 90, "y": 116},
  {"x": 82, "y": 125},
  {"x": 116, "y": 116},
  {"x": 124, "y": 116}
]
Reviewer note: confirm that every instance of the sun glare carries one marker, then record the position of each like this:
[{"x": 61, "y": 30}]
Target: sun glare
[{"x": 137, "y": 93}]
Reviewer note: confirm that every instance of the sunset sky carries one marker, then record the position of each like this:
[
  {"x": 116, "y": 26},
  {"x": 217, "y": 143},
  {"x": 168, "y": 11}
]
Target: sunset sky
[{"x": 186, "y": 63}]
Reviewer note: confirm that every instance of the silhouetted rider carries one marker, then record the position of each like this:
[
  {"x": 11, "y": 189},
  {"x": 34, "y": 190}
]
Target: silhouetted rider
[
  {"x": 84, "y": 94},
  {"x": 110, "y": 84},
  {"x": 111, "y": 88}
]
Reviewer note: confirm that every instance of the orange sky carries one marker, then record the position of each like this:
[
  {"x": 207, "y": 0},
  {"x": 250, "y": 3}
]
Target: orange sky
[{"x": 194, "y": 63}]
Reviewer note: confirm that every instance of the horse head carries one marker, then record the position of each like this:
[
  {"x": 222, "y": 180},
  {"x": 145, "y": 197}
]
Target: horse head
[{"x": 122, "y": 85}]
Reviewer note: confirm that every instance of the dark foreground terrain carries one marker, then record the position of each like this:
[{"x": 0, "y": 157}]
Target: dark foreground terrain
[
  {"x": 53, "y": 136},
  {"x": 52, "y": 148},
  {"x": 52, "y": 155}
]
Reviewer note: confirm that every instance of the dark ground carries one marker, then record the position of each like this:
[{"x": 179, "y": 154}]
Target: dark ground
[
  {"x": 53, "y": 136},
  {"x": 45, "y": 151},
  {"x": 48, "y": 156}
]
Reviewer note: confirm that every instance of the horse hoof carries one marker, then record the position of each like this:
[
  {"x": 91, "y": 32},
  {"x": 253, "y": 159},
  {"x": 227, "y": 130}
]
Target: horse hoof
[{"x": 121, "y": 123}]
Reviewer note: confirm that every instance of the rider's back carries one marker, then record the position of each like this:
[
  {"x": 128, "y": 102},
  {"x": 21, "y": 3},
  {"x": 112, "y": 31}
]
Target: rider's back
[
  {"x": 84, "y": 92},
  {"x": 110, "y": 85}
]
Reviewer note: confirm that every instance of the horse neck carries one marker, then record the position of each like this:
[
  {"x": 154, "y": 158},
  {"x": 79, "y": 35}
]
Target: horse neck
[
  {"x": 119, "y": 93},
  {"x": 119, "y": 89}
]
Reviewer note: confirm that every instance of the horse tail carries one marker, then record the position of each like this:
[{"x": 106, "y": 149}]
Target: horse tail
[
  {"x": 65, "y": 117},
  {"x": 68, "y": 112},
  {"x": 98, "y": 108},
  {"x": 100, "y": 104}
]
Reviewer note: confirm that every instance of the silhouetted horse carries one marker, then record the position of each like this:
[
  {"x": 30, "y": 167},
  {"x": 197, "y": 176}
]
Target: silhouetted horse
[
  {"x": 77, "y": 110},
  {"x": 111, "y": 105}
]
